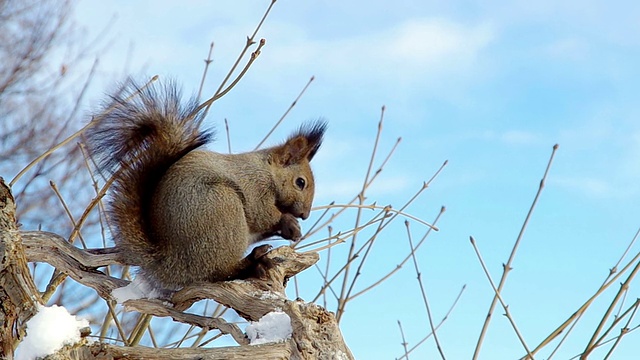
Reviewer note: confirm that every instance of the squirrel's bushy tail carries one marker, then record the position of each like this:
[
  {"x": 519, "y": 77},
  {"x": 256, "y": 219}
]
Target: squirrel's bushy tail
[{"x": 136, "y": 137}]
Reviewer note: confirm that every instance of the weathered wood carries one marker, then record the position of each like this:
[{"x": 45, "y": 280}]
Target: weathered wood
[
  {"x": 98, "y": 351},
  {"x": 19, "y": 296},
  {"x": 316, "y": 334},
  {"x": 315, "y": 330},
  {"x": 161, "y": 308},
  {"x": 80, "y": 265}
]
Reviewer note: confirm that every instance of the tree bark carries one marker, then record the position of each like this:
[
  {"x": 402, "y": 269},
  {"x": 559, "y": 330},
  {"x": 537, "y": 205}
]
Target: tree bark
[
  {"x": 316, "y": 334},
  {"x": 19, "y": 296}
]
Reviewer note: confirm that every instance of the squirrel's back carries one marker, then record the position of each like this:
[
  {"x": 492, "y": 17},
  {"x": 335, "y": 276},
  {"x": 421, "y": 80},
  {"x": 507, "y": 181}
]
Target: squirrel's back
[{"x": 137, "y": 136}]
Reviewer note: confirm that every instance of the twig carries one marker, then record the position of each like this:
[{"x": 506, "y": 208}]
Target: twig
[
  {"x": 584, "y": 306},
  {"x": 207, "y": 63},
  {"x": 315, "y": 229},
  {"x": 610, "y": 340},
  {"x": 624, "y": 330},
  {"x": 368, "y": 245},
  {"x": 285, "y": 113},
  {"x": 67, "y": 211},
  {"x": 158, "y": 308},
  {"x": 507, "y": 267},
  {"x": 112, "y": 312},
  {"x": 374, "y": 206},
  {"x": 425, "y": 185},
  {"x": 423, "y": 292},
  {"x": 612, "y": 271},
  {"x": 213, "y": 338},
  {"x": 446, "y": 316},
  {"x": 399, "y": 266},
  {"x": 497, "y": 292},
  {"x": 226, "y": 128},
  {"x": 404, "y": 342},
  {"x": 342, "y": 238},
  {"x": 95, "y": 201},
  {"x": 592, "y": 342},
  {"x": 361, "y": 198},
  {"x": 326, "y": 270},
  {"x": 343, "y": 235},
  {"x": 207, "y": 104},
  {"x": 74, "y": 135},
  {"x": 573, "y": 319},
  {"x": 617, "y": 319},
  {"x": 56, "y": 279},
  {"x": 250, "y": 41},
  {"x": 324, "y": 213},
  {"x": 138, "y": 331}
]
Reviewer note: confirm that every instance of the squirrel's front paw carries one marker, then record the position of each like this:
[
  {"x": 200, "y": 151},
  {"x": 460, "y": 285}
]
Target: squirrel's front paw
[
  {"x": 289, "y": 227},
  {"x": 259, "y": 251}
]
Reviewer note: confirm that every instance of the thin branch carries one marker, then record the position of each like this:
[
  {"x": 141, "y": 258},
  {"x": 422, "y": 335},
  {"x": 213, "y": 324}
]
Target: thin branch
[
  {"x": 315, "y": 228},
  {"x": 592, "y": 342},
  {"x": 399, "y": 266},
  {"x": 67, "y": 211},
  {"x": 159, "y": 308},
  {"x": 207, "y": 63},
  {"x": 507, "y": 267},
  {"x": 391, "y": 210},
  {"x": 138, "y": 331},
  {"x": 497, "y": 292},
  {"x": 250, "y": 41},
  {"x": 614, "y": 274},
  {"x": 617, "y": 319},
  {"x": 611, "y": 340},
  {"x": 423, "y": 292},
  {"x": 207, "y": 104},
  {"x": 285, "y": 113},
  {"x": 446, "y": 316},
  {"x": 612, "y": 271},
  {"x": 226, "y": 129},
  {"x": 624, "y": 330},
  {"x": 361, "y": 198},
  {"x": 75, "y": 135},
  {"x": 586, "y": 305},
  {"x": 425, "y": 185},
  {"x": 404, "y": 342}
]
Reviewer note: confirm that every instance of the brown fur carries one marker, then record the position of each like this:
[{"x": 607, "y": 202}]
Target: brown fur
[{"x": 183, "y": 214}]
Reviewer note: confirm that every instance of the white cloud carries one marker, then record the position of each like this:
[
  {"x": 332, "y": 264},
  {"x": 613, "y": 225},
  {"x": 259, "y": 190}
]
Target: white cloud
[
  {"x": 421, "y": 42},
  {"x": 519, "y": 137},
  {"x": 345, "y": 189},
  {"x": 589, "y": 186},
  {"x": 510, "y": 137},
  {"x": 408, "y": 51}
]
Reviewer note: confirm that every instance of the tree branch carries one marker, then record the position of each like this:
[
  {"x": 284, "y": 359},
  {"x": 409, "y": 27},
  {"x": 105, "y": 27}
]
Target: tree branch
[
  {"x": 316, "y": 334},
  {"x": 19, "y": 296}
]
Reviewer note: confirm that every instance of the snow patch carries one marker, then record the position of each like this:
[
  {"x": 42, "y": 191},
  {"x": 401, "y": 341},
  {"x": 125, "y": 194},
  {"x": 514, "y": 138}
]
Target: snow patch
[
  {"x": 273, "y": 327},
  {"x": 269, "y": 295},
  {"x": 339, "y": 355},
  {"x": 139, "y": 288},
  {"x": 48, "y": 331}
]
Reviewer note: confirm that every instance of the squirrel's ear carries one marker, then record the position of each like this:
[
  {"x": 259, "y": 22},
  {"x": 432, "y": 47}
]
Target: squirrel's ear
[{"x": 302, "y": 145}]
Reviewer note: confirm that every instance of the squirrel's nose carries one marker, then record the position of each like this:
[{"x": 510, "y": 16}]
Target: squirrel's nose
[{"x": 305, "y": 215}]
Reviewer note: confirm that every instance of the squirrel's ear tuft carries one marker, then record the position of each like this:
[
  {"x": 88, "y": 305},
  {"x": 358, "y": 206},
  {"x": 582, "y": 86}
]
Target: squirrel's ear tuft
[
  {"x": 313, "y": 132},
  {"x": 301, "y": 145}
]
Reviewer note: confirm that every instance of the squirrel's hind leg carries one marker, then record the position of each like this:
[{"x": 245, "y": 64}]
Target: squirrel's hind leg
[{"x": 255, "y": 265}]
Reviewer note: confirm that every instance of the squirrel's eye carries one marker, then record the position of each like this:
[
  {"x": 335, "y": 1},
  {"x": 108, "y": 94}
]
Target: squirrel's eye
[{"x": 300, "y": 183}]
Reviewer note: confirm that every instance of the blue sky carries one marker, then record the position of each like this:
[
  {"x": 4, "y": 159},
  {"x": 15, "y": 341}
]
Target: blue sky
[{"x": 489, "y": 86}]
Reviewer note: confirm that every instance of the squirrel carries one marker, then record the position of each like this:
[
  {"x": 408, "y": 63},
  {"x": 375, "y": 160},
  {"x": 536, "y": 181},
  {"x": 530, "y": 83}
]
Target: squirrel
[{"x": 184, "y": 214}]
